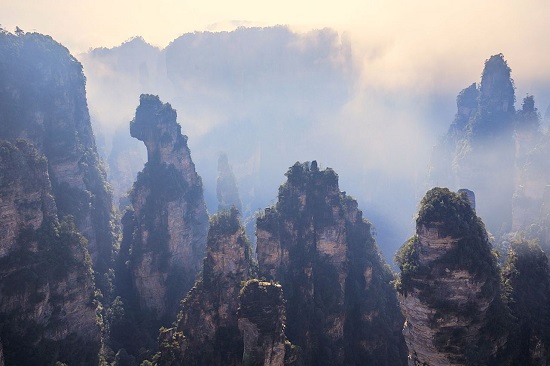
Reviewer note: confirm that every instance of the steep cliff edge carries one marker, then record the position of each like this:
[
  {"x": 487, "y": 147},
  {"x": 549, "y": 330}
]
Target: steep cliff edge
[
  {"x": 526, "y": 281},
  {"x": 228, "y": 318},
  {"x": 479, "y": 147},
  {"x": 208, "y": 319},
  {"x": 43, "y": 100},
  {"x": 262, "y": 320},
  {"x": 47, "y": 312},
  {"x": 341, "y": 308},
  {"x": 449, "y": 287},
  {"x": 170, "y": 222}
]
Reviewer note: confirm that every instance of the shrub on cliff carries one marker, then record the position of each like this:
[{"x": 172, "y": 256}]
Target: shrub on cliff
[
  {"x": 526, "y": 279},
  {"x": 452, "y": 210}
]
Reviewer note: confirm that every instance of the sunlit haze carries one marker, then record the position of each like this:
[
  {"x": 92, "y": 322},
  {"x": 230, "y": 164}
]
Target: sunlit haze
[
  {"x": 409, "y": 60},
  {"x": 403, "y": 41}
]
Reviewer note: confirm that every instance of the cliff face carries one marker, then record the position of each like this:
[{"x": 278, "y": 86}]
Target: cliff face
[
  {"x": 170, "y": 222},
  {"x": 226, "y": 188},
  {"x": 527, "y": 283},
  {"x": 228, "y": 318},
  {"x": 479, "y": 147},
  {"x": 43, "y": 100},
  {"x": 441, "y": 168},
  {"x": 450, "y": 287},
  {"x": 262, "y": 325},
  {"x": 46, "y": 286},
  {"x": 341, "y": 308},
  {"x": 208, "y": 319}
]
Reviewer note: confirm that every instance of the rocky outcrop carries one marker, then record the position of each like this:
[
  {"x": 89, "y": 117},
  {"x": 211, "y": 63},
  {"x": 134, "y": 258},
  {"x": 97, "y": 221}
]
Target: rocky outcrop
[
  {"x": 527, "y": 283},
  {"x": 262, "y": 325},
  {"x": 226, "y": 188},
  {"x": 170, "y": 222},
  {"x": 208, "y": 319},
  {"x": 26, "y": 193},
  {"x": 449, "y": 287},
  {"x": 43, "y": 100},
  {"x": 228, "y": 318},
  {"x": 470, "y": 195},
  {"x": 341, "y": 308},
  {"x": 442, "y": 170},
  {"x": 46, "y": 287},
  {"x": 478, "y": 149},
  {"x": 527, "y": 129},
  {"x": 531, "y": 164}
]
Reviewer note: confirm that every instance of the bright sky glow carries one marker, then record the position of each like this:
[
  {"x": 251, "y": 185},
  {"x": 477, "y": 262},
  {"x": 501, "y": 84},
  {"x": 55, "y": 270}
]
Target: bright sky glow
[
  {"x": 409, "y": 52},
  {"x": 400, "y": 42}
]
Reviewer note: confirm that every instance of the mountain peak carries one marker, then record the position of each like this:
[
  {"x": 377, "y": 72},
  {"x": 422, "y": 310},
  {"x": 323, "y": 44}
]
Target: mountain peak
[{"x": 497, "y": 87}]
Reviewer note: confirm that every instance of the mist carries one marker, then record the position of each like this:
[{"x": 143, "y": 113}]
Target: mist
[{"x": 268, "y": 97}]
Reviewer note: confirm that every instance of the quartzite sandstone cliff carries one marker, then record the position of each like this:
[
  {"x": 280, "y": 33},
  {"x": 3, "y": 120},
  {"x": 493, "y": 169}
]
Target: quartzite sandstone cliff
[
  {"x": 479, "y": 150},
  {"x": 208, "y": 319},
  {"x": 262, "y": 324},
  {"x": 47, "y": 312},
  {"x": 527, "y": 285},
  {"x": 341, "y": 308},
  {"x": 228, "y": 318},
  {"x": 169, "y": 221},
  {"x": 450, "y": 287},
  {"x": 43, "y": 100}
]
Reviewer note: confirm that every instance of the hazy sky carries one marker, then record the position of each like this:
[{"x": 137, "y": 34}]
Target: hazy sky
[
  {"x": 412, "y": 56},
  {"x": 401, "y": 42}
]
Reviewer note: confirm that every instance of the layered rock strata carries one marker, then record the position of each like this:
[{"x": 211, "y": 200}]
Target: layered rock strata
[
  {"x": 208, "y": 320},
  {"x": 43, "y": 100},
  {"x": 228, "y": 318},
  {"x": 169, "y": 222},
  {"x": 262, "y": 324},
  {"x": 449, "y": 287},
  {"x": 46, "y": 286},
  {"x": 341, "y": 308}
]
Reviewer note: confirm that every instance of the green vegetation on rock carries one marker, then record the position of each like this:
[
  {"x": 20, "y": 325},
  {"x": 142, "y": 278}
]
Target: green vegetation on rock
[
  {"x": 47, "y": 300},
  {"x": 317, "y": 245},
  {"x": 43, "y": 100},
  {"x": 526, "y": 280}
]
